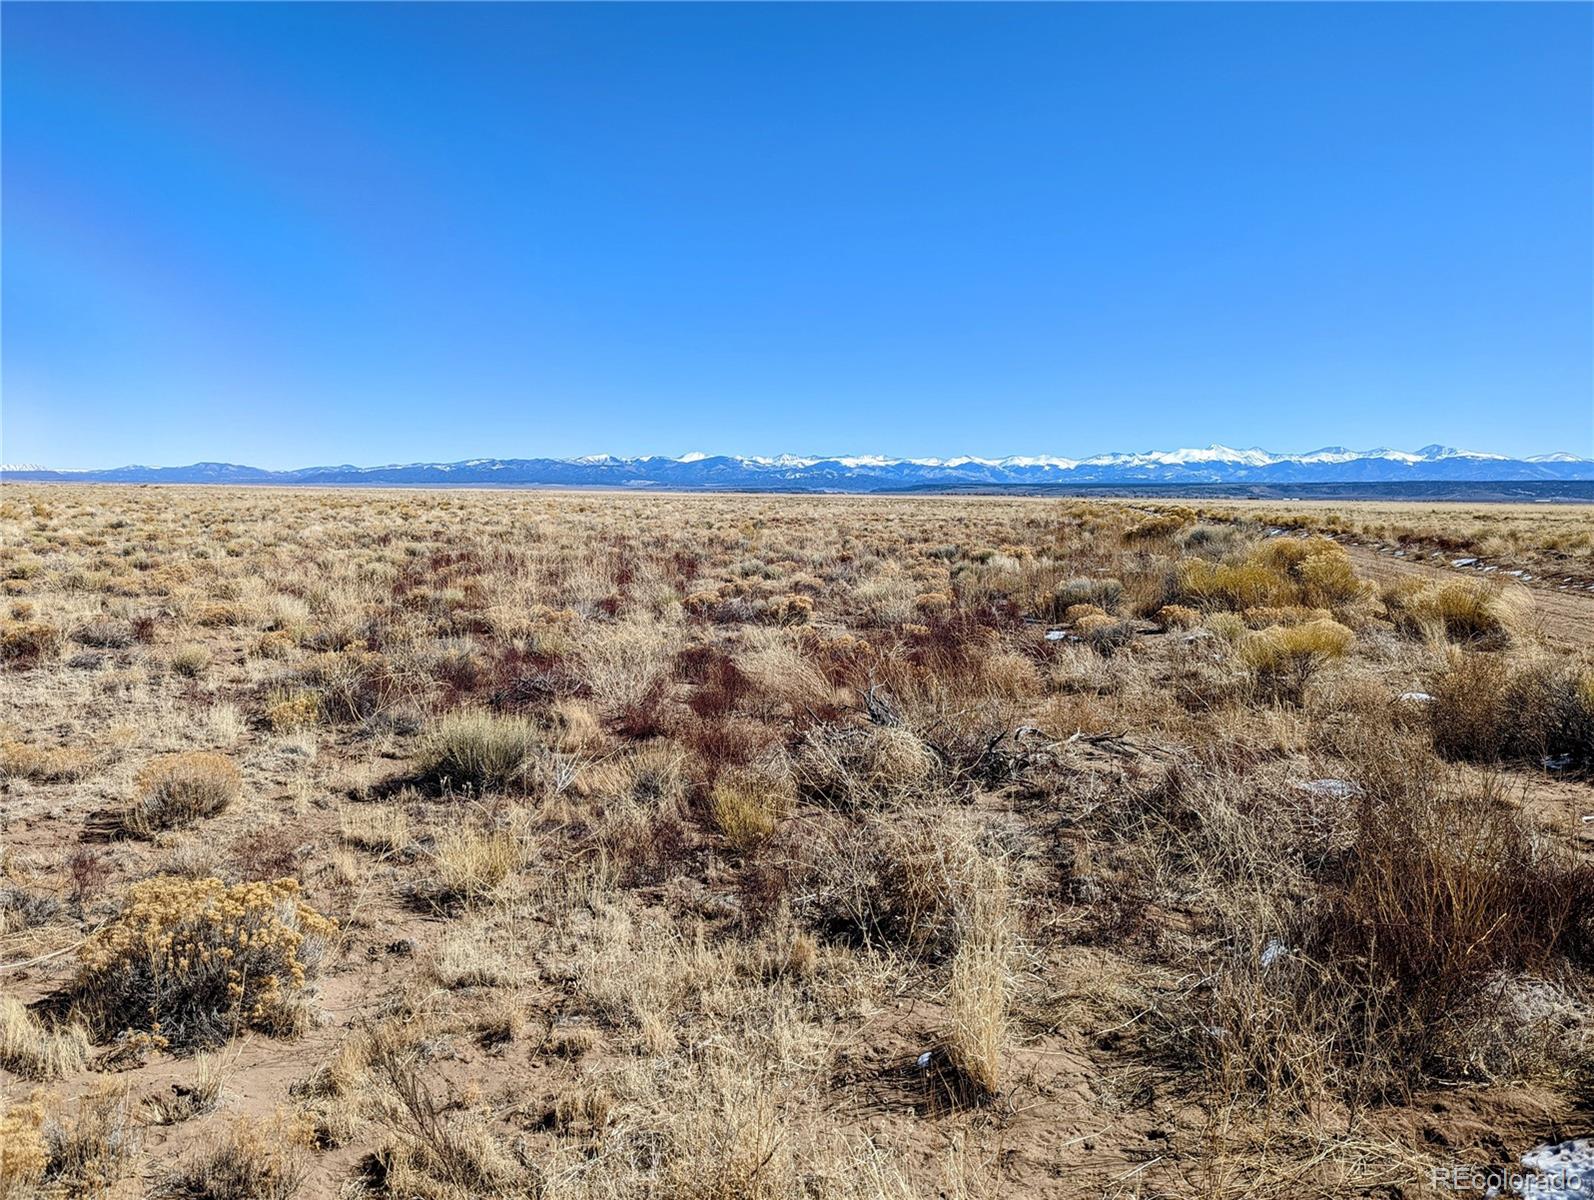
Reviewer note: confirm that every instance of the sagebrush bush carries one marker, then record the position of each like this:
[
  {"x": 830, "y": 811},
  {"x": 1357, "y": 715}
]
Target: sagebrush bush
[
  {"x": 188, "y": 962},
  {"x": 1105, "y": 635},
  {"x": 1213, "y": 540},
  {"x": 1103, "y": 593},
  {"x": 179, "y": 789}
]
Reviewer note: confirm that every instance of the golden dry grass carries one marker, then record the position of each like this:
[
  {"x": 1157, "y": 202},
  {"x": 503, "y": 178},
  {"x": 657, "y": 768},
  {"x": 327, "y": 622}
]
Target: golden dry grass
[{"x": 834, "y": 848}]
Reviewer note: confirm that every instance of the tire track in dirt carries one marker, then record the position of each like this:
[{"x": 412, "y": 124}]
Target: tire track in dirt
[{"x": 1563, "y": 618}]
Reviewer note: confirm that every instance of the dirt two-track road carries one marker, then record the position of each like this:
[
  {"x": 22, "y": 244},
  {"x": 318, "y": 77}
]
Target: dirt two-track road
[{"x": 1565, "y": 618}]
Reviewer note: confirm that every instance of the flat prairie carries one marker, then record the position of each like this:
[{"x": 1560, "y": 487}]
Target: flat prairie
[{"x": 527, "y": 844}]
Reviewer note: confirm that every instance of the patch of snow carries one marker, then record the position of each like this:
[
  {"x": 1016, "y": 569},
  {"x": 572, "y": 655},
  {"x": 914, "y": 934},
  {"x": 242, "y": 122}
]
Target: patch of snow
[
  {"x": 1273, "y": 951},
  {"x": 1340, "y": 788},
  {"x": 1560, "y": 1171}
]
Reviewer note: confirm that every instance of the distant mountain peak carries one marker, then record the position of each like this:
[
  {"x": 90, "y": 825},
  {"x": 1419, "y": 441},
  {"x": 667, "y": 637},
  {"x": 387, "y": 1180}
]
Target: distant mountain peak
[{"x": 1213, "y": 464}]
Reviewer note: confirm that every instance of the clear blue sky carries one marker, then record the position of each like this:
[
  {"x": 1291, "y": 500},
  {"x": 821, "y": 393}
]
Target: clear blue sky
[{"x": 297, "y": 234}]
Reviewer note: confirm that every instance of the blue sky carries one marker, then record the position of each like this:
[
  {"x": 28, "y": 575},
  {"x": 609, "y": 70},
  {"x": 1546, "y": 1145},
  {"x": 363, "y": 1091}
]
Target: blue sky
[{"x": 294, "y": 234}]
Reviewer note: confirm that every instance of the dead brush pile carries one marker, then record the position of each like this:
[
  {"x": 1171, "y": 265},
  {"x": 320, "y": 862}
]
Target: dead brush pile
[
  {"x": 1489, "y": 709},
  {"x": 1363, "y": 961}
]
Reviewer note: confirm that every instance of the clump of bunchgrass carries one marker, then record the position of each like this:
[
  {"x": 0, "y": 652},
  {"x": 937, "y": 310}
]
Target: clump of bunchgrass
[
  {"x": 190, "y": 661},
  {"x": 977, "y": 993},
  {"x": 249, "y": 1160},
  {"x": 36, "y": 1050},
  {"x": 1477, "y": 611},
  {"x": 1488, "y": 709},
  {"x": 44, "y": 764},
  {"x": 746, "y": 805},
  {"x": 482, "y": 751},
  {"x": 469, "y": 864}
]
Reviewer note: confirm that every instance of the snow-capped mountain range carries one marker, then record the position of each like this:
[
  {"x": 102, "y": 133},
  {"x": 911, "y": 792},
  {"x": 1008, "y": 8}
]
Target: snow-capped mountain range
[{"x": 872, "y": 472}]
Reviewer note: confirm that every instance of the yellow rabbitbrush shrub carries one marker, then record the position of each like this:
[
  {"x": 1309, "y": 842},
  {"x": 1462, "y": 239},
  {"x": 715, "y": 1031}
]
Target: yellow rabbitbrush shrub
[
  {"x": 290, "y": 712},
  {"x": 178, "y": 789},
  {"x": 191, "y": 961},
  {"x": 1283, "y": 573},
  {"x": 1176, "y": 616},
  {"x": 1285, "y": 657}
]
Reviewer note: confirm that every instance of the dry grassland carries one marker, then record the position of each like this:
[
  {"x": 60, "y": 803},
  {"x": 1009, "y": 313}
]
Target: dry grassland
[{"x": 453, "y": 845}]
